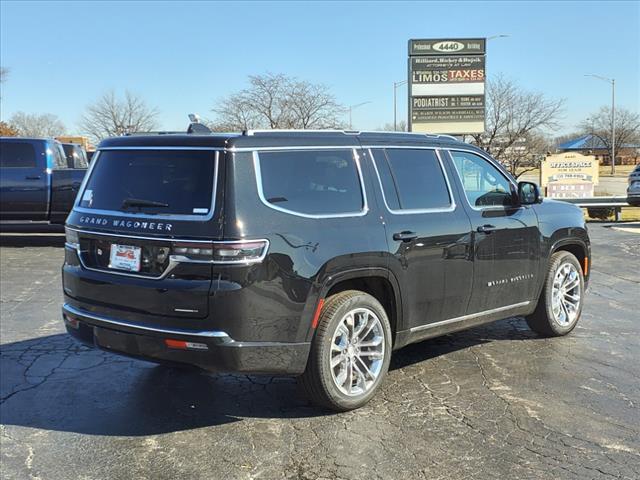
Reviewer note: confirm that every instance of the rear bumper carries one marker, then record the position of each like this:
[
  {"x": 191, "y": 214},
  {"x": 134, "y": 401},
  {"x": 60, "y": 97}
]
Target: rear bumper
[{"x": 216, "y": 350}]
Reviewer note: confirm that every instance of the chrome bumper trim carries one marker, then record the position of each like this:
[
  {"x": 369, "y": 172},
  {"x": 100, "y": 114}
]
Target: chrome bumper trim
[{"x": 82, "y": 314}]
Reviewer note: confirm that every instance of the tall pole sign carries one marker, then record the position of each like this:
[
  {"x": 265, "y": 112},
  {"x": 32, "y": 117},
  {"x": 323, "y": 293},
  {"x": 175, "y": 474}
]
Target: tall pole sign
[{"x": 446, "y": 85}]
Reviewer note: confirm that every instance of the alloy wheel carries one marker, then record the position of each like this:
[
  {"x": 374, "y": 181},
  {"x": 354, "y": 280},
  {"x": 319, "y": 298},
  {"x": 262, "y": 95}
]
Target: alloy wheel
[
  {"x": 565, "y": 294},
  {"x": 357, "y": 351}
]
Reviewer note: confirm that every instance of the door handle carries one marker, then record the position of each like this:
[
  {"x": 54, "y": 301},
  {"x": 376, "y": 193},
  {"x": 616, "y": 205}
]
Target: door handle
[
  {"x": 405, "y": 236},
  {"x": 33, "y": 177},
  {"x": 486, "y": 228}
]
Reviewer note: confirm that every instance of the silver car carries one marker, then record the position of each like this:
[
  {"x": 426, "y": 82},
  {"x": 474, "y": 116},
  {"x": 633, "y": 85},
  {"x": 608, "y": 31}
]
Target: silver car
[{"x": 633, "y": 190}]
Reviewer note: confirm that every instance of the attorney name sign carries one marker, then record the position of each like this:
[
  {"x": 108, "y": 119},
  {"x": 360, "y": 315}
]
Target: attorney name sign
[{"x": 446, "y": 85}]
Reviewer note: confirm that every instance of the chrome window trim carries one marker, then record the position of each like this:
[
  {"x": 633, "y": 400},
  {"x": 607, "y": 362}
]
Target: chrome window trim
[
  {"x": 491, "y": 162},
  {"x": 410, "y": 211},
  {"x": 83, "y": 314},
  {"x": 469, "y": 316},
  {"x": 118, "y": 213},
  {"x": 163, "y": 147},
  {"x": 356, "y": 158},
  {"x": 291, "y": 147}
]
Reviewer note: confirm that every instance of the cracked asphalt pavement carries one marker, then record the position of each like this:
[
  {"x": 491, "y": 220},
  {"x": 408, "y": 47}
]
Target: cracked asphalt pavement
[{"x": 492, "y": 402}]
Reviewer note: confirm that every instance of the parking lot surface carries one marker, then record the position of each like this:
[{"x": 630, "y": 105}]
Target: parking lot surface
[{"x": 492, "y": 402}]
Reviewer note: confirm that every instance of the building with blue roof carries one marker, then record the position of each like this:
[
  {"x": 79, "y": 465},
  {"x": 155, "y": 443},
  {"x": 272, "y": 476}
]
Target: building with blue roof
[{"x": 627, "y": 154}]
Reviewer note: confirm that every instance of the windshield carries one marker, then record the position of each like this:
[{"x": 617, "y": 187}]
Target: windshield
[{"x": 171, "y": 182}]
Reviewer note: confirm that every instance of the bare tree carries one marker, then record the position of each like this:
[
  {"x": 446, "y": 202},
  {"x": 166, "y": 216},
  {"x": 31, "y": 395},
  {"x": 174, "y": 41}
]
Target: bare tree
[
  {"x": 312, "y": 106},
  {"x": 111, "y": 116},
  {"x": 516, "y": 122},
  {"x": 401, "y": 126},
  {"x": 37, "y": 124},
  {"x": 235, "y": 113},
  {"x": 277, "y": 101},
  {"x": 627, "y": 127}
]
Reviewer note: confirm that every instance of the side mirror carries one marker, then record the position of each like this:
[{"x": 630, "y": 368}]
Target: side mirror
[{"x": 528, "y": 193}]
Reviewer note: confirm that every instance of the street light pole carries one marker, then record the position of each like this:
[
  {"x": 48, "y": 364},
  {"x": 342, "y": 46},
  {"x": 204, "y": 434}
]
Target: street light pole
[
  {"x": 395, "y": 103},
  {"x": 612, "y": 81},
  {"x": 613, "y": 126},
  {"x": 353, "y": 107}
]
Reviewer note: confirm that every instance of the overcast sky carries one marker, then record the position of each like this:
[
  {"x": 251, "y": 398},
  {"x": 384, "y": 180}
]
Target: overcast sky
[{"x": 182, "y": 57}]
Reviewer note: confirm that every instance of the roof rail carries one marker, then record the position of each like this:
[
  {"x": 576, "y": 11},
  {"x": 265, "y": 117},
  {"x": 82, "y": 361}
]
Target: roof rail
[{"x": 251, "y": 132}]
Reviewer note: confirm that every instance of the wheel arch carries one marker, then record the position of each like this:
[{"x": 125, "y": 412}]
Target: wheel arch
[
  {"x": 578, "y": 248},
  {"x": 378, "y": 282}
]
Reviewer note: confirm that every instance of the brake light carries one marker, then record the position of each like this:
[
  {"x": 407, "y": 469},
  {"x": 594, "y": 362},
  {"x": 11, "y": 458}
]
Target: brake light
[
  {"x": 193, "y": 251},
  {"x": 239, "y": 252},
  {"x": 242, "y": 251}
]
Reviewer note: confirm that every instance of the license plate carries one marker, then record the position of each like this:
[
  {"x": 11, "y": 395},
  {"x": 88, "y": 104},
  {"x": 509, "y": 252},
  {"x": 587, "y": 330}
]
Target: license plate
[{"x": 125, "y": 257}]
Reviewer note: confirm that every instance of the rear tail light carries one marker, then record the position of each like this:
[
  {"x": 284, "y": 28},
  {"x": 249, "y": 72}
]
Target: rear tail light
[
  {"x": 199, "y": 252},
  {"x": 241, "y": 252},
  {"x": 72, "y": 238}
]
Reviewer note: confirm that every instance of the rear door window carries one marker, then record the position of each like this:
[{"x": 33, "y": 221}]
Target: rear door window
[
  {"x": 309, "y": 182},
  {"x": 17, "y": 155},
  {"x": 412, "y": 179},
  {"x": 163, "y": 182}
]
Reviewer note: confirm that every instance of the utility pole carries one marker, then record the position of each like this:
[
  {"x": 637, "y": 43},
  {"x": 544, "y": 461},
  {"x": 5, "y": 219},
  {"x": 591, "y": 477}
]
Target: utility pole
[{"x": 612, "y": 81}]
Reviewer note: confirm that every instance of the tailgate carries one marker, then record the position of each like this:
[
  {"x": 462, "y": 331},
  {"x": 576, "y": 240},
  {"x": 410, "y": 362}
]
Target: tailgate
[{"x": 150, "y": 283}]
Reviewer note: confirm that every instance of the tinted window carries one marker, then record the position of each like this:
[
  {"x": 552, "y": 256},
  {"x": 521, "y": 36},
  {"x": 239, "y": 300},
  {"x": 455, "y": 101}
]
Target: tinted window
[
  {"x": 59, "y": 158},
  {"x": 412, "y": 179},
  {"x": 69, "y": 151},
  {"x": 81, "y": 160},
  {"x": 483, "y": 183},
  {"x": 75, "y": 155},
  {"x": 17, "y": 155},
  {"x": 147, "y": 181},
  {"x": 312, "y": 182}
]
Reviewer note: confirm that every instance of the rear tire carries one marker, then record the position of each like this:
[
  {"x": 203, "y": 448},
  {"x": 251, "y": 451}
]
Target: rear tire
[
  {"x": 560, "y": 303},
  {"x": 350, "y": 352}
]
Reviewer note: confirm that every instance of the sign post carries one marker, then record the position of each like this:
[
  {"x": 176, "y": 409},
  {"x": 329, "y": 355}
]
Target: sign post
[{"x": 446, "y": 85}]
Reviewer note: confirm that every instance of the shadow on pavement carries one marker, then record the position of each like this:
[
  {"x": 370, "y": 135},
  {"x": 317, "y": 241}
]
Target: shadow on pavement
[{"x": 52, "y": 383}]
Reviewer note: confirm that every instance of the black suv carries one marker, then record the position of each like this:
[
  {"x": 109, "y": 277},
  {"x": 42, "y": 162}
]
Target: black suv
[{"x": 310, "y": 253}]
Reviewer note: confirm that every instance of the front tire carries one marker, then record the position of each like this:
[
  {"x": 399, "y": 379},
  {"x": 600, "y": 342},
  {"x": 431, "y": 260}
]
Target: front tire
[
  {"x": 560, "y": 303},
  {"x": 350, "y": 352}
]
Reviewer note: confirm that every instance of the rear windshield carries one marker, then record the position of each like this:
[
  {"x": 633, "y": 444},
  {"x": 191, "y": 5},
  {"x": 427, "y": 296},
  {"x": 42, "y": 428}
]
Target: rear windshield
[
  {"x": 17, "y": 155},
  {"x": 152, "y": 182}
]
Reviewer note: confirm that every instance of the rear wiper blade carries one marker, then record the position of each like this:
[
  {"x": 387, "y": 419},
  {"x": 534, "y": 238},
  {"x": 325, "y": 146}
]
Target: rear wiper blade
[{"x": 139, "y": 202}]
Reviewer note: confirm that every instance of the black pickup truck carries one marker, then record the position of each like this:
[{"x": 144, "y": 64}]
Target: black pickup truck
[{"x": 37, "y": 183}]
